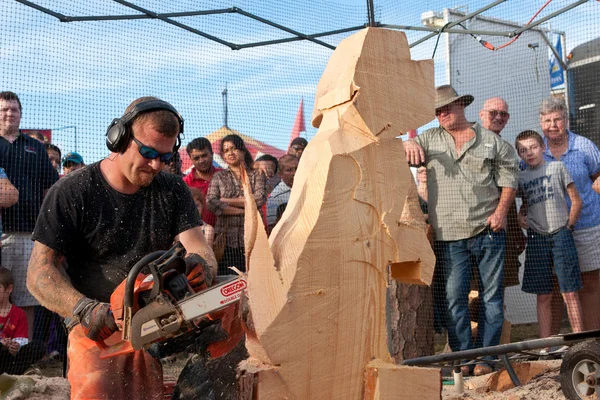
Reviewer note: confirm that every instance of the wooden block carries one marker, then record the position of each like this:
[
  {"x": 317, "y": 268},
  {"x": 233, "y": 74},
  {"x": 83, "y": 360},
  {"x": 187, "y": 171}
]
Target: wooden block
[
  {"x": 506, "y": 328},
  {"x": 388, "y": 381}
]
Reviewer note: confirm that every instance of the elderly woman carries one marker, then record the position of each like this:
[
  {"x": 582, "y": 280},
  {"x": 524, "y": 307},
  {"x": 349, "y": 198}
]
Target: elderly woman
[
  {"x": 225, "y": 198},
  {"x": 582, "y": 159}
]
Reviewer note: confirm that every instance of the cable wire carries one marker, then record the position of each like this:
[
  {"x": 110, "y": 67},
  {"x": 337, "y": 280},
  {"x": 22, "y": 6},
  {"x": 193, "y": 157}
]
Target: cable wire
[{"x": 489, "y": 46}]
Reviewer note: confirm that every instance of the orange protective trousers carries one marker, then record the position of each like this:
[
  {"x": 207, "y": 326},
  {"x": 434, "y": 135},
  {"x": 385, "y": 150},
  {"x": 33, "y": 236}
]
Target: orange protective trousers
[{"x": 132, "y": 376}]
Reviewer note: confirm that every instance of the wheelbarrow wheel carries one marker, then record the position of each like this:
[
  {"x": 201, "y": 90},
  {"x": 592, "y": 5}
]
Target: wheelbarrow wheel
[{"x": 580, "y": 371}]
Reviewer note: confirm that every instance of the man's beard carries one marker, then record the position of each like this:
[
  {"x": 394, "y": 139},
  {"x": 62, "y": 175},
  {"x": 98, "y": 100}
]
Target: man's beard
[{"x": 143, "y": 179}]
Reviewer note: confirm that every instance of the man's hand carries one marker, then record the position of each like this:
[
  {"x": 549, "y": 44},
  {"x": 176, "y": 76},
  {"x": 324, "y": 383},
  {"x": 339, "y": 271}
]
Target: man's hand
[
  {"x": 522, "y": 219},
  {"x": 96, "y": 318},
  {"x": 262, "y": 167},
  {"x": 198, "y": 272},
  {"x": 521, "y": 242},
  {"x": 414, "y": 152},
  {"x": 496, "y": 221}
]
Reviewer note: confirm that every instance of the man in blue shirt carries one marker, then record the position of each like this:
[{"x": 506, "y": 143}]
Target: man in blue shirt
[{"x": 28, "y": 167}]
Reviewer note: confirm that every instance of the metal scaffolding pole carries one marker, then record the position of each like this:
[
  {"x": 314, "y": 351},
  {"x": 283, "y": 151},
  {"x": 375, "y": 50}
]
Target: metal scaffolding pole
[
  {"x": 145, "y": 16},
  {"x": 550, "y": 16},
  {"x": 232, "y": 46},
  {"x": 451, "y": 24},
  {"x": 371, "y": 13},
  {"x": 459, "y": 31},
  {"x": 166, "y": 17}
]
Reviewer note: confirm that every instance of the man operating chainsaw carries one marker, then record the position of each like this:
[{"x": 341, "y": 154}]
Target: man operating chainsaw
[{"x": 95, "y": 224}]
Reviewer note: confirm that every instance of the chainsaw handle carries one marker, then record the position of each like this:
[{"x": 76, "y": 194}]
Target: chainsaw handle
[{"x": 133, "y": 273}]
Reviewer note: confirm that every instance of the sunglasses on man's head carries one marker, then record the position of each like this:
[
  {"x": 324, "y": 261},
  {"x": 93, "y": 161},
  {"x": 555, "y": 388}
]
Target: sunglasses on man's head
[{"x": 150, "y": 154}]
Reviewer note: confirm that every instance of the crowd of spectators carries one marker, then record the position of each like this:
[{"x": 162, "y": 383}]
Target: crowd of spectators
[
  {"x": 219, "y": 195},
  {"x": 30, "y": 165},
  {"x": 468, "y": 179}
]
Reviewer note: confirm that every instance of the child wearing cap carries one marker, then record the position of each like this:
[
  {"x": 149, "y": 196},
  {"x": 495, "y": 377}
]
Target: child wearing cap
[{"x": 544, "y": 188}]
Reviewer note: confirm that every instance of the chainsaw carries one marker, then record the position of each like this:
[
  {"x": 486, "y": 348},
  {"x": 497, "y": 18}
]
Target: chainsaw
[{"x": 162, "y": 305}]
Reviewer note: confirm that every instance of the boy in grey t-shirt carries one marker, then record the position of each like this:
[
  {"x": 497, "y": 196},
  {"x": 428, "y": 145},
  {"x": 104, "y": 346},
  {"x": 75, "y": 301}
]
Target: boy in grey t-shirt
[{"x": 544, "y": 187}]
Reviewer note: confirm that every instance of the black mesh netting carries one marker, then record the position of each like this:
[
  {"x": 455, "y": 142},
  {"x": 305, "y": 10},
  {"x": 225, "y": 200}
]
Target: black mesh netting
[{"x": 74, "y": 73}]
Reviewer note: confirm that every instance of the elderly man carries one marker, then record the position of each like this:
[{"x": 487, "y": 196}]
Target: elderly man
[
  {"x": 471, "y": 180},
  {"x": 494, "y": 114}
]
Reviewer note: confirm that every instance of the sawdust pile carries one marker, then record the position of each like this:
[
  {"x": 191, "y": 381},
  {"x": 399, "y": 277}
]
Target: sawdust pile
[{"x": 33, "y": 387}]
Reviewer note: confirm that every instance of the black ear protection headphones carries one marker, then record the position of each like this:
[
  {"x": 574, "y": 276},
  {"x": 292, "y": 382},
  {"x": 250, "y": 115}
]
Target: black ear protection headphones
[{"x": 118, "y": 133}]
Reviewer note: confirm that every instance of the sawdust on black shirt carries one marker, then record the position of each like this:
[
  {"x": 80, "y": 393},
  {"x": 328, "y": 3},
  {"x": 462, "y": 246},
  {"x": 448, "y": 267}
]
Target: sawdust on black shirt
[{"x": 103, "y": 232}]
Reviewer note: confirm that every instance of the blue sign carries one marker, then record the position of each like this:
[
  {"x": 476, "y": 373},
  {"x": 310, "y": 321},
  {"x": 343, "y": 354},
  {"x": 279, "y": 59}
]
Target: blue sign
[{"x": 557, "y": 77}]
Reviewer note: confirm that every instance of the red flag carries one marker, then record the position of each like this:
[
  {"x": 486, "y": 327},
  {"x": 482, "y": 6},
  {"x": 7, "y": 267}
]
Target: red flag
[{"x": 299, "y": 125}]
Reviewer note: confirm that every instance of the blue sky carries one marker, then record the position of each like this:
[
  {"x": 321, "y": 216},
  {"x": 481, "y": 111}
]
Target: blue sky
[{"x": 84, "y": 74}]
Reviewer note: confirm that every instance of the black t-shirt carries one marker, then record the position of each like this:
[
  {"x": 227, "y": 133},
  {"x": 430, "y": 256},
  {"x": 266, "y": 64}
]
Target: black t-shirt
[
  {"x": 29, "y": 169},
  {"x": 103, "y": 232}
]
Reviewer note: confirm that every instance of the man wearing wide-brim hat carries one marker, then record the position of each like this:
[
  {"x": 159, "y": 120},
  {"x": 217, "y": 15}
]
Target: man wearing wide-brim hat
[
  {"x": 446, "y": 95},
  {"x": 472, "y": 178}
]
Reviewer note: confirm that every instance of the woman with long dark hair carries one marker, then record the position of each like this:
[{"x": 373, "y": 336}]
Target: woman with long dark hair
[{"x": 225, "y": 198}]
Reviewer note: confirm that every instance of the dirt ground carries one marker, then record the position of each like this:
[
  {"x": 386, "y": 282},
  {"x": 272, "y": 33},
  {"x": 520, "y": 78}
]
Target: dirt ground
[
  {"x": 35, "y": 387},
  {"x": 543, "y": 387},
  {"x": 48, "y": 383},
  {"x": 51, "y": 386}
]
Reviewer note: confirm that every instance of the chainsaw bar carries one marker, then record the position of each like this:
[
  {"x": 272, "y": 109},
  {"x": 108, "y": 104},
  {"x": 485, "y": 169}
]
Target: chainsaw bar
[{"x": 212, "y": 299}]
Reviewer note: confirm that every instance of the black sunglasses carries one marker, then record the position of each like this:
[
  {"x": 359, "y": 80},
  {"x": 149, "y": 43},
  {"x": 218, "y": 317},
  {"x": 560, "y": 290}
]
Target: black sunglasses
[
  {"x": 150, "y": 154},
  {"x": 495, "y": 113}
]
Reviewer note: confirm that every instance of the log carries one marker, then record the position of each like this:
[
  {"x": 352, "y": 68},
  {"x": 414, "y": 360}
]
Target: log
[
  {"x": 411, "y": 321},
  {"x": 500, "y": 381},
  {"x": 317, "y": 287},
  {"x": 397, "y": 382}
]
